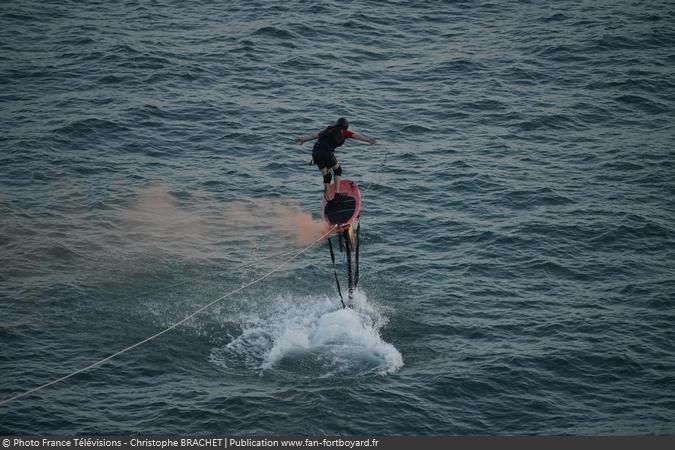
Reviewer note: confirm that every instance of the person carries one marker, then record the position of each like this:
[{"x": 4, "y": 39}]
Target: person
[{"x": 323, "y": 153}]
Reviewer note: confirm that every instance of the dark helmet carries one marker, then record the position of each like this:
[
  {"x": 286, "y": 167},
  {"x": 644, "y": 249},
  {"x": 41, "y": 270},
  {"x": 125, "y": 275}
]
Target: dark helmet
[{"x": 342, "y": 123}]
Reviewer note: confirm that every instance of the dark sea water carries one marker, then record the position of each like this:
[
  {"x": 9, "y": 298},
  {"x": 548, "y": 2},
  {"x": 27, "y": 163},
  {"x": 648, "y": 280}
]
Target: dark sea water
[{"x": 518, "y": 224}]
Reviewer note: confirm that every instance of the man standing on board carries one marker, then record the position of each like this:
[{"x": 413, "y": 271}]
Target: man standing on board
[{"x": 323, "y": 153}]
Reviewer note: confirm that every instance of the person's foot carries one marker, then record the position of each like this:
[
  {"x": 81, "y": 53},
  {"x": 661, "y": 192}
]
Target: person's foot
[{"x": 338, "y": 196}]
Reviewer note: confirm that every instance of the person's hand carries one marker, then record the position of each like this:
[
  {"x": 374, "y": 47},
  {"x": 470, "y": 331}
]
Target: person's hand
[
  {"x": 299, "y": 140},
  {"x": 373, "y": 141}
]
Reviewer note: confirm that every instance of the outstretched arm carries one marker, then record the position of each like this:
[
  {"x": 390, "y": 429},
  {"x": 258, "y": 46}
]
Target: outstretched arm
[
  {"x": 309, "y": 137},
  {"x": 364, "y": 138}
]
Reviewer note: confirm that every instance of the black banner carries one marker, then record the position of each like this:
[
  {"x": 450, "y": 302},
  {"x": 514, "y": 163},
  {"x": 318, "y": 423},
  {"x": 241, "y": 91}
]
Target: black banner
[{"x": 338, "y": 443}]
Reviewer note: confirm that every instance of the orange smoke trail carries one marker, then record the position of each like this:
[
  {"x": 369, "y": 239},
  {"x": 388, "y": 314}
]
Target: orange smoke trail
[{"x": 203, "y": 227}]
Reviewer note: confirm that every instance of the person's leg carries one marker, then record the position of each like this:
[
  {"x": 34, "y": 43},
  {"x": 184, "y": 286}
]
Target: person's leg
[
  {"x": 326, "y": 179},
  {"x": 337, "y": 170}
]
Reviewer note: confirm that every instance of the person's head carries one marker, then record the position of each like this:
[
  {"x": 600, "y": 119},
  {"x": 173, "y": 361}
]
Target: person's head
[{"x": 342, "y": 123}]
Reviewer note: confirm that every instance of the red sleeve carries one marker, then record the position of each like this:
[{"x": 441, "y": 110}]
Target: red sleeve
[{"x": 347, "y": 134}]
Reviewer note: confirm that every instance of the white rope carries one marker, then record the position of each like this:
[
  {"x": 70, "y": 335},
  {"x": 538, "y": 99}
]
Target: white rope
[
  {"x": 190, "y": 280},
  {"x": 363, "y": 273},
  {"x": 379, "y": 174},
  {"x": 156, "y": 335}
]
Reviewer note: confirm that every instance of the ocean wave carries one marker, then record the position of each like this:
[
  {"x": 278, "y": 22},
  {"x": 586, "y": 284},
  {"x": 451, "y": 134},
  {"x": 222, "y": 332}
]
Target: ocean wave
[
  {"x": 274, "y": 32},
  {"x": 83, "y": 127}
]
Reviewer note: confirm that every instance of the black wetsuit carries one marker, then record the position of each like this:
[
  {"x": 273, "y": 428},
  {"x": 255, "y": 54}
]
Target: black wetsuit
[{"x": 323, "y": 152}]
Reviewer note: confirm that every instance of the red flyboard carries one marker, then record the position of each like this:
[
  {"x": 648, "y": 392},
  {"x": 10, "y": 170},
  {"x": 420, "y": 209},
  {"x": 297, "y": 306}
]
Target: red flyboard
[{"x": 344, "y": 210}]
